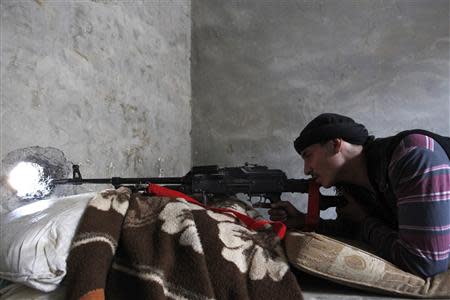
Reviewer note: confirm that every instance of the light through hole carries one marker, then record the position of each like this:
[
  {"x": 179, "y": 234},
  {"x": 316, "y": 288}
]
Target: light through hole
[{"x": 28, "y": 180}]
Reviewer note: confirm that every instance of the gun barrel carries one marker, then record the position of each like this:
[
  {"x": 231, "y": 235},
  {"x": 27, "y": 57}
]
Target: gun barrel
[
  {"x": 156, "y": 180},
  {"x": 116, "y": 181}
]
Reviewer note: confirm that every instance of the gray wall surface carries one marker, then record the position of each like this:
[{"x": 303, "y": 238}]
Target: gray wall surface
[
  {"x": 106, "y": 82},
  {"x": 261, "y": 70}
]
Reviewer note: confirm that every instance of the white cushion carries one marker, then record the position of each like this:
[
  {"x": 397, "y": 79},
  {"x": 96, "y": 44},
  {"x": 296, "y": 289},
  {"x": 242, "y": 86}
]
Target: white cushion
[{"x": 35, "y": 240}]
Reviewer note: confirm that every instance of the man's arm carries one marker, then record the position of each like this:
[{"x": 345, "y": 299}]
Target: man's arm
[
  {"x": 285, "y": 212},
  {"x": 420, "y": 176},
  {"x": 338, "y": 228}
]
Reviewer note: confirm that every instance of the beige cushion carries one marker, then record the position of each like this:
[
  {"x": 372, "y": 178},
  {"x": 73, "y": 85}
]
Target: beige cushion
[{"x": 348, "y": 265}]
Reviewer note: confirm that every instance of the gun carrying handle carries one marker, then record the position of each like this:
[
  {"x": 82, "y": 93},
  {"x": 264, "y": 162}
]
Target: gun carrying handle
[{"x": 313, "y": 215}]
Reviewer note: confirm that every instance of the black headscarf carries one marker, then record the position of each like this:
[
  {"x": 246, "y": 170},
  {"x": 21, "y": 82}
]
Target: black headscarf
[{"x": 328, "y": 126}]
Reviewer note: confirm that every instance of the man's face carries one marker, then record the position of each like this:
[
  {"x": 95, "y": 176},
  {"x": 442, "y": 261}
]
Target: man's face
[{"x": 321, "y": 163}]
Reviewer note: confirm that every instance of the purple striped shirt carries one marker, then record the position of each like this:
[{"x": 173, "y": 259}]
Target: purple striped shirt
[{"x": 419, "y": 173}]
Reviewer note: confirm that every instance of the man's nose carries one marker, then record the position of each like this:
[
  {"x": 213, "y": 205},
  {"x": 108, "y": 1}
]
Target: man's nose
[{"x": 307, "y": 169}]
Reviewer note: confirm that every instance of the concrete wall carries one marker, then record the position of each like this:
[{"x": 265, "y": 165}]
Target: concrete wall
[
  {"x": 106, "y": 82},
  {"x": 262, "y": 69}
]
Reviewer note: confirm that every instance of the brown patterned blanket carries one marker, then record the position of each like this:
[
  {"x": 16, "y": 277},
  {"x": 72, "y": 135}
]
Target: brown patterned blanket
[{"x": 130, "y": 246}]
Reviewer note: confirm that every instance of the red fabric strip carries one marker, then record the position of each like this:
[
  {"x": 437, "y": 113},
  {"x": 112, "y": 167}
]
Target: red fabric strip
[
  {"x": 278, "y": 227},
  {"x": 313, "y": 214}
]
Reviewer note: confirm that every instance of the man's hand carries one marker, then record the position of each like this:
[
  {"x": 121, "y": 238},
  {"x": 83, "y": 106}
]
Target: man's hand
[
  {"x": 353, "y": 211},
  {"x": 285, "y": 212}
]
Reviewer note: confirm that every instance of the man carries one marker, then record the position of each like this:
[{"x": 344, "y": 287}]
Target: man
[{"x": 397, "y": 190}]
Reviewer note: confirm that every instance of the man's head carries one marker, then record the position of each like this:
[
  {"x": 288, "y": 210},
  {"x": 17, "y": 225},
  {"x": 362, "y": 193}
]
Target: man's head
[{"x": 321, "y": 145}]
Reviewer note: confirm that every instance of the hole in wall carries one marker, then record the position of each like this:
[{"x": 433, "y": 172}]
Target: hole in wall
[{"x": 44, "y": 162}]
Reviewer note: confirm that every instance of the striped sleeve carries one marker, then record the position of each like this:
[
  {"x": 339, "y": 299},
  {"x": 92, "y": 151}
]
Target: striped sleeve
[{"x": 419, "y": 173}]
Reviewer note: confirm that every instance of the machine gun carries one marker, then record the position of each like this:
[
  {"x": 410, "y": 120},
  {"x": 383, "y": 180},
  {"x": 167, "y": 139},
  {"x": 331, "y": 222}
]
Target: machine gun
[{"x": 212, "y": 181}]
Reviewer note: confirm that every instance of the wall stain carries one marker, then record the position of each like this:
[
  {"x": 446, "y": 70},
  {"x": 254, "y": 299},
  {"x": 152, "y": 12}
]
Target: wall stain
[
  {"x": 13, "y": 63},
  {"x": 230, "y": 149},
  {"x": 80, "y": 54},
  {"x": 111, "y": 99},
  {"x": 128, "y": 111},
  {"x": 75, "y": 109},
  {"x": 142, "y": 135},
  {"x": 35, "y": 100},
  {"x": 134, "y": 158},
  {"x": 120, "y": 30}
]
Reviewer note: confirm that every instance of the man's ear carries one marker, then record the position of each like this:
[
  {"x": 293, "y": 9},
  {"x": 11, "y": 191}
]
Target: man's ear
[{"x": 337, "y": 144}]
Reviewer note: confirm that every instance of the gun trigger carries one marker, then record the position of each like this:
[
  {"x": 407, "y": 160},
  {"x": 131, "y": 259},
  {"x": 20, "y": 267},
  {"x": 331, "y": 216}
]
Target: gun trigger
[{"x": 262, "y": 205}]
